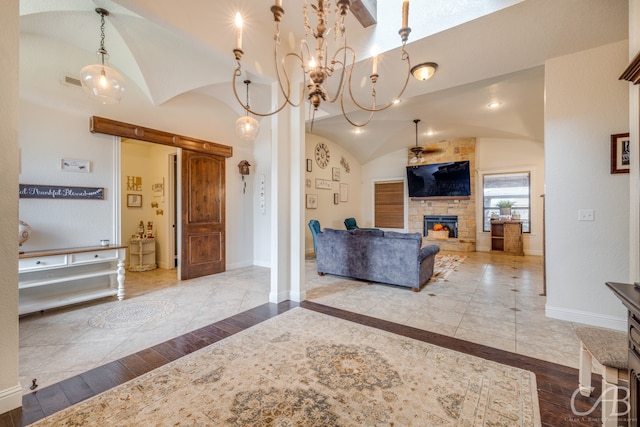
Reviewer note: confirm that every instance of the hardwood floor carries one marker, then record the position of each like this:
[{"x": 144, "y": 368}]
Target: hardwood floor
[{"x": 556, "y": 383}]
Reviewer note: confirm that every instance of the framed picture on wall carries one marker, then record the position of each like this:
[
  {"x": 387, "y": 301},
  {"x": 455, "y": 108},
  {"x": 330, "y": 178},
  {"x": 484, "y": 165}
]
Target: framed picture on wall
[
  {"x": 309, "y": 165},
  {"x": 336, "y": 198},
  {"x": 134, "y": 200},
  {"x": 312, "y": 201},
  {"x": 344, "y": 192},
  {"x": 335, "y": 174},
  {"x": 620, "y": 154}
]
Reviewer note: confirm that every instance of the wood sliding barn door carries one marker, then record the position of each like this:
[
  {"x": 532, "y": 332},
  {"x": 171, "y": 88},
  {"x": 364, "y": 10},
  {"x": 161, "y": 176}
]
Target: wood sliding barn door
[{"x": 203, "y": 215}]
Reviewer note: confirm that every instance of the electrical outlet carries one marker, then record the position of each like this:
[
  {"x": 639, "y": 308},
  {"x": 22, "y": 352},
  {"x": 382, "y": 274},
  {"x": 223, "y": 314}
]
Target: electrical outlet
[{"x": 585, "y": 215}]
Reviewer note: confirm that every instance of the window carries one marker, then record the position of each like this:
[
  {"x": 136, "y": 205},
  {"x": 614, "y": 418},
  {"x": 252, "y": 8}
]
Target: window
[{"x": 512, "y": 187}]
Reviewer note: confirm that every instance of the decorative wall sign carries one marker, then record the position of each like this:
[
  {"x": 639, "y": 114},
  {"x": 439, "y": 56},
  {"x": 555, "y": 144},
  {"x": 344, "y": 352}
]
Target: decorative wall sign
[
  {"x": 309, "y": 165},
  {"x": 31, "y": 191},
  {"x": 336, "y": 198},
  {"x": 324, "y": 184},
  {"x": 75, "y": 165},
  {"x": 134, "y": 183}
]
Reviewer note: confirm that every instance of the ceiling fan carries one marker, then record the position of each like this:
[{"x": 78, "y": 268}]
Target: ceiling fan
[{"x": 417, "y": 150}]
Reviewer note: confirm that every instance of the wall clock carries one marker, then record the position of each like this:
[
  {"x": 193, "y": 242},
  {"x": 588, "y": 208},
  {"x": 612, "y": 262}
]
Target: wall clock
[{"x": 322, "y": 155}]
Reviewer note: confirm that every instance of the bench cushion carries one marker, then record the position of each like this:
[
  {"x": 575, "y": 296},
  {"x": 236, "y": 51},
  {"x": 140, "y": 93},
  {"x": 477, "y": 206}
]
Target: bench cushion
[{"x": 609, "y": 347}]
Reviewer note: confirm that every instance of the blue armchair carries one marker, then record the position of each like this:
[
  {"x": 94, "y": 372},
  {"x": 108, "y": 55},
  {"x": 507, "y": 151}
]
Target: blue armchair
[
  {"x": 351, "y": 224},
  {"x": 314, "y": 226}
]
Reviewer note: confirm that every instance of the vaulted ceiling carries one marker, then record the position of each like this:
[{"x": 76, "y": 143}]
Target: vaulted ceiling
[{"x": 169, "y": 48}]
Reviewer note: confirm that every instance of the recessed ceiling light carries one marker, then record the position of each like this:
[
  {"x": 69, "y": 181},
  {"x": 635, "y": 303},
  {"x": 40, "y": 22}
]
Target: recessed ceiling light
[
  {"x": 396, "y": 101},
  {"x": 494, "y": 104},
  {"x": 430, "y": 133},
  {"x": 357, "y": 131}
]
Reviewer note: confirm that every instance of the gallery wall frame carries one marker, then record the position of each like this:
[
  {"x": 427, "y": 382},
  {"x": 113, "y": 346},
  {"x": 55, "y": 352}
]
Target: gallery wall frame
[
  {"x": 344, "y": 192},
  {"x": 335, "y": 174},
  {"x": 134, "y": 200},
  {"x": 324, "y": 184},
  {"x": 620, "y": 154},
  {"x": 312, "y": 201}
]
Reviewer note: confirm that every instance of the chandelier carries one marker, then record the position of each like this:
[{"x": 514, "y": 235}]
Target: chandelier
[
  {"x": 318, "y": 65},
  {"x": 99, "y": 81}
]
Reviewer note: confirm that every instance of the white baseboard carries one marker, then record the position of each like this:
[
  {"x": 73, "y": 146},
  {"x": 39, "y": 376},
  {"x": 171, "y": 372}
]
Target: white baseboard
[
  {"x": 261, "y": 263},
  {"x": 587, "y": 318},
  {"x": 241, "y": 264},
  {"x": 277, "y": 298},
  {"x": 10, "y": 399}
]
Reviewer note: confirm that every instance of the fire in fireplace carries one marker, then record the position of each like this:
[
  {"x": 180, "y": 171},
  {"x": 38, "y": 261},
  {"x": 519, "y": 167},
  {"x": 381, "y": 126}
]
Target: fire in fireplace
[{"x": 449, "y": 221}]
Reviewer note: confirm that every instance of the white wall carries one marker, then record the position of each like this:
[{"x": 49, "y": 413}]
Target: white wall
[
  {"x": 512, "y": 155},
  {"x": 10, "y": 391},
  {"x": 54, "y": 123},
  {"x": 585, "y": 104},
  {"x": 329, "y": 214}
]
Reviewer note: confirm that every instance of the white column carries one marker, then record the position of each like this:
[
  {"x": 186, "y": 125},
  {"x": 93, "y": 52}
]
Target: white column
[
  {"x": 10, "y": 391},
  {"x": 287, "y": 212},
  {"x": 297, "y": 224}
]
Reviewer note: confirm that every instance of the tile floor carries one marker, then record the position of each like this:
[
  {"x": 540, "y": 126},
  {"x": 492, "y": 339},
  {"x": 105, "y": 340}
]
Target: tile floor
[{"x": 492, "y": 299}]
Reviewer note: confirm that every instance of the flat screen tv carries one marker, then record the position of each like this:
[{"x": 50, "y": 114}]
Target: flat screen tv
[{"x": 451, "y": 179}]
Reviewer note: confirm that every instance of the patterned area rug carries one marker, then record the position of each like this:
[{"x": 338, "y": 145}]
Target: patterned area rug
[
  {"x": 444, "y": 265},
  {"x": 130, "y": 314},
  {"x": 304, "y": 368}
]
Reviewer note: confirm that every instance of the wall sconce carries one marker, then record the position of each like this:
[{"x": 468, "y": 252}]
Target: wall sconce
[{"x": 243, "y": 168}]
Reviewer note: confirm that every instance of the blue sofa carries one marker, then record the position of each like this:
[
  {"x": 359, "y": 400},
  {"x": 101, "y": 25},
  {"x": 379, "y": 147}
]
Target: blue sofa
[{"x": 376, "y": 256}]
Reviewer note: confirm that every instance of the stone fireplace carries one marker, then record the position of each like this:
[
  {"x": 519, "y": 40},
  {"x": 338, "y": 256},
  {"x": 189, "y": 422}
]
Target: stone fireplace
[
  {"x": 463, "y": 239},
  {"x": 449, "y": 221}
]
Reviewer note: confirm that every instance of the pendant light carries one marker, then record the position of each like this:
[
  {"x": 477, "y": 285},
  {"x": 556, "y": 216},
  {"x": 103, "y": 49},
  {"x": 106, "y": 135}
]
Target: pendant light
[
  {"x": 417, "y": 150},
  {"x": 246, "y": 126},
  {"x": 99, "y": 81}
]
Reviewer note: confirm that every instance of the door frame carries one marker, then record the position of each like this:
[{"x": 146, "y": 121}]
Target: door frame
[{"x": 132, "y": 131}]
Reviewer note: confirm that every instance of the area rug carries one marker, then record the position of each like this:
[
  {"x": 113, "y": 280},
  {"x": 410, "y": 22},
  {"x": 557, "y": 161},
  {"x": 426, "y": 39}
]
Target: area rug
[
  {"x": 304, "y": 368},
  {"x": 131, "y": 314},
  {"x": 445, "y": 265}
]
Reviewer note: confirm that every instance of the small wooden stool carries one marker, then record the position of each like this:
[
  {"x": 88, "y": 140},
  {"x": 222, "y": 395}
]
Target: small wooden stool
[{"x": 606, "y": 349}]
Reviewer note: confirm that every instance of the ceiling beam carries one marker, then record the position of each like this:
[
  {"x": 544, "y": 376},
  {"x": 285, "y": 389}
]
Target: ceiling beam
[{"x": 366, "y": 11}]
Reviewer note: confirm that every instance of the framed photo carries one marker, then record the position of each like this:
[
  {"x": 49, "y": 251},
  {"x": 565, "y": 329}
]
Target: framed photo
[
  {"x": 325, "y": 184},
  {"x": 134, "y": 200},
  {"x": 75, "y": 165},
  {"x": 336, "y": 198},
  {"x": 335, "y": 174},
  {"x": 312, "y": 201},
  {"x": 620, "y": 155},
  {"x": 309, "y": 165},
  {"x": 344, "y": 192}
]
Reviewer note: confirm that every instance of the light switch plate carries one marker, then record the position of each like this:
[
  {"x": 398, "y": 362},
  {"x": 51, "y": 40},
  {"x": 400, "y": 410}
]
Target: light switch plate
[{"x": 586, "y": 215}]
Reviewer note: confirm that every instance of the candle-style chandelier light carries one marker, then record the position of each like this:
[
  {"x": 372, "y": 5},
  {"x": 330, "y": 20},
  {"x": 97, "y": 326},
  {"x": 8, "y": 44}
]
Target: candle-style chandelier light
[{"x": 318, "y": 65}]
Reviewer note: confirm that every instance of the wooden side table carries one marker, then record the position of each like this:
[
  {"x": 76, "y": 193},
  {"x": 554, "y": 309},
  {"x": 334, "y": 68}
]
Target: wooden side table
[
  {"x": 142, "y": 254},
  {"x": 506, "y": 236}
]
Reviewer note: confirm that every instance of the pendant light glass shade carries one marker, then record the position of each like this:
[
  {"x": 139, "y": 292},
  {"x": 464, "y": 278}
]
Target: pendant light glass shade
[
  {"x": 247, "y": 128},
  {"x": 99, "y": 81}
]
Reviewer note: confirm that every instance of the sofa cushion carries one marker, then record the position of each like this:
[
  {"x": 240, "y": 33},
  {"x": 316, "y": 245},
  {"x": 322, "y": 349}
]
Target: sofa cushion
[
  {"x": 363, "y": 232},
  {"x": 396, "y": 235}
]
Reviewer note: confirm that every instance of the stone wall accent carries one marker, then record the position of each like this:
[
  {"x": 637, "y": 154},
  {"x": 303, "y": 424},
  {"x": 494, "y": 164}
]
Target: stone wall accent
[{"x": 453, "y": 150}]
